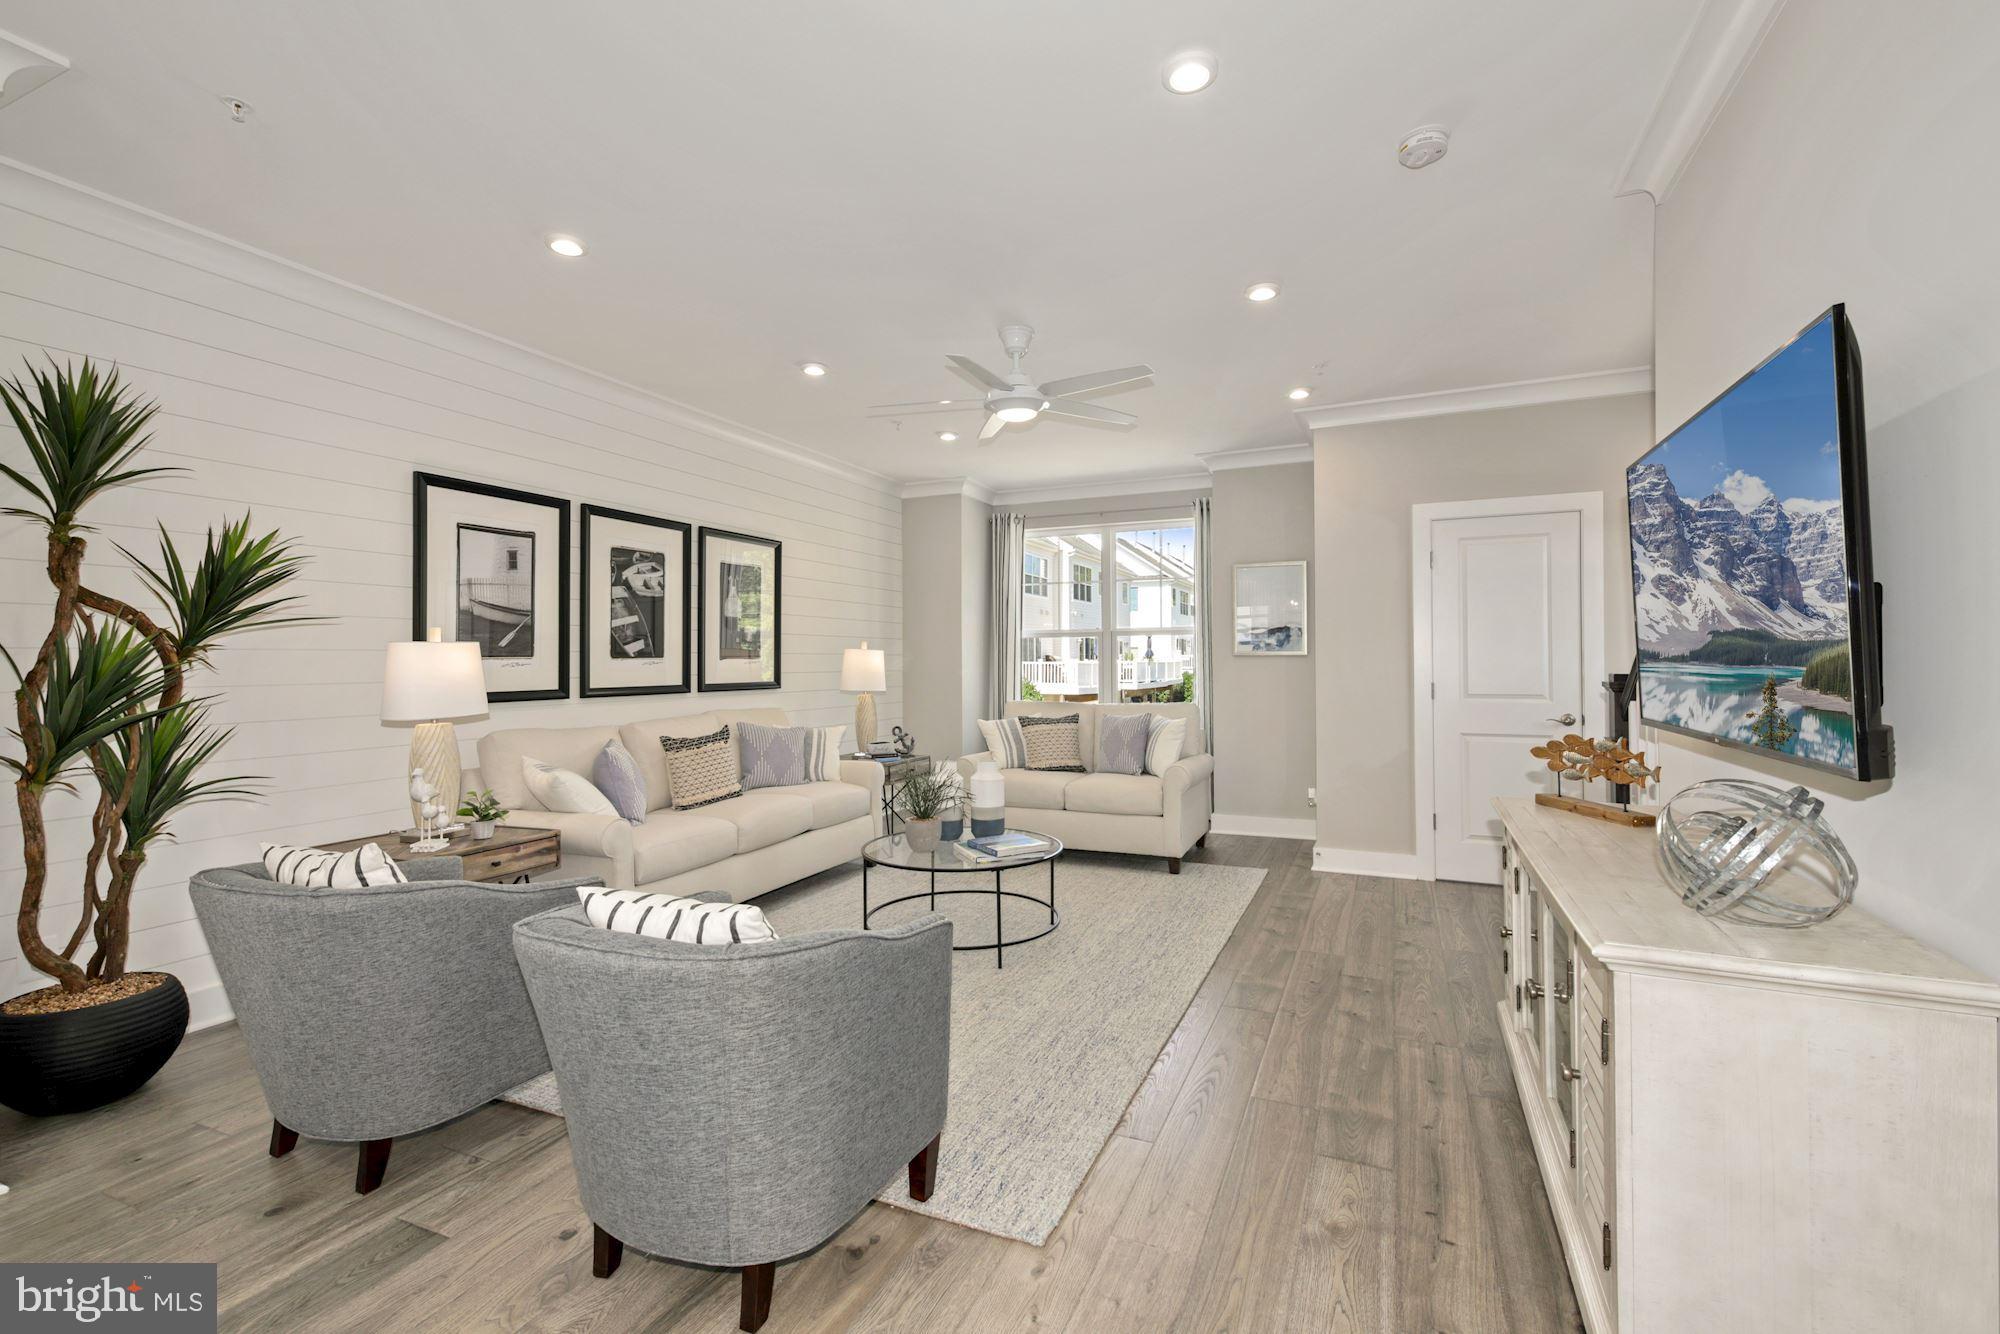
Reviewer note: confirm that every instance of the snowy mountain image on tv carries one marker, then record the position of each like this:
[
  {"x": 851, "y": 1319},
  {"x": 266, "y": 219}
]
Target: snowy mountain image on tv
[{"x": 1739, "y": 565}]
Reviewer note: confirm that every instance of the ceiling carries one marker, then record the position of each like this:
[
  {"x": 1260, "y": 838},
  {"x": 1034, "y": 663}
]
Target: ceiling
[{"x": 873, "y": 186}]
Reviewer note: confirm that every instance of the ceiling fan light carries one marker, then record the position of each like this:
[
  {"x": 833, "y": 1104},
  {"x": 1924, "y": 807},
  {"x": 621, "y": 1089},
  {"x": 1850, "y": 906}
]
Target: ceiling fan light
[
  {"x": 1189, "y": 72},
  {"x": 1020, "y": 412}
]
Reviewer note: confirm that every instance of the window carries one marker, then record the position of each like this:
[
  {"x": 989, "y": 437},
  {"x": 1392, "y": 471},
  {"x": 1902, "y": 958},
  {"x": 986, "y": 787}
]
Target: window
[
  {"x": 513, "y": 559},
  {"x": 1147, "y": 574},
  {"x": 1035, "y": 576}
]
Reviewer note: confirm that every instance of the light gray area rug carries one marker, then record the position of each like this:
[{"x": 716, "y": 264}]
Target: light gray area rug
[{"x": 1047, "y": 1052}]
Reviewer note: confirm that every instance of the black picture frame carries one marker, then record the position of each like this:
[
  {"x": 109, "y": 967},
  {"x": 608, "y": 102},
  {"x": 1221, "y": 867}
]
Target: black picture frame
[
  {"x": 587, "y": 591},
  {"x": 710, "y": 597},
  {"x": 423, "y": 484}
]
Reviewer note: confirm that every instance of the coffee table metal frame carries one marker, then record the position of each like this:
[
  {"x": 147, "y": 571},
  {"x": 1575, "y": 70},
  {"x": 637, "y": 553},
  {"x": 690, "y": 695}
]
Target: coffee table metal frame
[{"x": 998, "y": 894}]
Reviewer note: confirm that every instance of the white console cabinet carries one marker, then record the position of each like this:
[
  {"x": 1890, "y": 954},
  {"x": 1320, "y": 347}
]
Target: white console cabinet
[{"x": 1746, "y": 1130}]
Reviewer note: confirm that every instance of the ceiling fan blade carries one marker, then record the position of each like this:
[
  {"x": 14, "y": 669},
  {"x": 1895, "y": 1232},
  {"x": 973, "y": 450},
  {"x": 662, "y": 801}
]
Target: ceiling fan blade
[
  {"x": 978, "y": 372},
  {"x": 900, "y": 413},
  {"x": 1084, "y": 384},
  {"x": 933, "y": 403},
  {"x": 1089, "y": 412},
  {"x": 991, "y": 429}
]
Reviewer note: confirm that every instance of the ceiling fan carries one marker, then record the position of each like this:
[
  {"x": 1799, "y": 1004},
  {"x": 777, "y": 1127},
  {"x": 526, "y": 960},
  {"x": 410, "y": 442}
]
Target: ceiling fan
[{"x": 1016, "y": 399}]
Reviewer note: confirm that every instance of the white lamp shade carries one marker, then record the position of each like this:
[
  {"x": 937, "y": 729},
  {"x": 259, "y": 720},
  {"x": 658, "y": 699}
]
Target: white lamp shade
[
  {"x": 431, "y": 682},
  {"x": 864, "y": 668}
]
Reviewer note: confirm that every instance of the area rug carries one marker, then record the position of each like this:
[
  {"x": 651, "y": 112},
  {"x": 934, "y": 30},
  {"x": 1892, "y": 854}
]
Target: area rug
[{"x": 1047, "y": 1052}]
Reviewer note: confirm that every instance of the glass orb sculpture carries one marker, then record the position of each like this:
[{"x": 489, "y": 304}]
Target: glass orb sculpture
[{"x": 1724, "y": 840}]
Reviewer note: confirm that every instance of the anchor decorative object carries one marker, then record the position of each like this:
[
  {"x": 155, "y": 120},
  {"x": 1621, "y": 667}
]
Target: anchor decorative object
[{"x": 1584, "y": 758}]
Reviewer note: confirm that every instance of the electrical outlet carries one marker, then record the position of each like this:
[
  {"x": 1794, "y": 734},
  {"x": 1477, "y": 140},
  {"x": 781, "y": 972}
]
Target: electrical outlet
[{"x": 1312, "y": 796}]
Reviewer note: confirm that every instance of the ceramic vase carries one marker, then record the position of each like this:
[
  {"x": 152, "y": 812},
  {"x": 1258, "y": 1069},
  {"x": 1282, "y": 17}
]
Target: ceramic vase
[
  {"x": 922, "y": 835},
  {"x": 482, "y": 829},
  {"x": 989, "y": 800}
]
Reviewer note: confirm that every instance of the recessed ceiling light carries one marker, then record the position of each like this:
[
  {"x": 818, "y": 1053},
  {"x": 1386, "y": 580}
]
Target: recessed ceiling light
[
  {"x": 1298, "y": 394},
  {"x": 1262, "y": 291},
  {"x": 1189, "y": 72},
  {"x": 812, "y": 368},
  {"x": 947, "y": 436},
  {"x": 566, "y": 246}
]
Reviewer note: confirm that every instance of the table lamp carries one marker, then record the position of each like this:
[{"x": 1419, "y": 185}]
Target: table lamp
[
  {"x": 866, "y": 670},
  {"x": 432, "y": 684}
]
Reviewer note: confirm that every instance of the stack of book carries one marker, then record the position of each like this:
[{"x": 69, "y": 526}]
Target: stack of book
[{"x": 999, "y": 847}]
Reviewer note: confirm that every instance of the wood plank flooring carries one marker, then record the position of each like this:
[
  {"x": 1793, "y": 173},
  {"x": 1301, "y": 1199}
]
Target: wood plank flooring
[{"x": 1329, "y": 1141}]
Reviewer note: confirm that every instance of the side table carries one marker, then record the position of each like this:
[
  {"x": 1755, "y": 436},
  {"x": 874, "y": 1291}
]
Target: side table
[
  {"x": 515, "y": 852},
  {"x": 893, "y": 766}
]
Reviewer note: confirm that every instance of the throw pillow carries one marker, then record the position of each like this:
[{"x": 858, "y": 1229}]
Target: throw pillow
[
  {"x": 1053, "y": 743},
  {"x": 773, "y": 756},
  {"x": 562, "y": 791},
  {"x": 1004, "y": 742},
  {"x": 702, "y": 769},
  {"x": 823, "y": 754},
  {"x": 666, "y": 917},
  {"x": 1164, "y": 745},
  {"x": 1121, "y": 742},
  {"x": 313, "y": 868},
  {"x": 616, "y": 774}
]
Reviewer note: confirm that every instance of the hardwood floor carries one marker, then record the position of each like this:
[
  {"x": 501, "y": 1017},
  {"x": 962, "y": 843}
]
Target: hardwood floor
[{"x": 1330, "y": 1141}]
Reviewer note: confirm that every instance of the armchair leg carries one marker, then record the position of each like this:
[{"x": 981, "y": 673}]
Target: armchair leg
[
  {"x": 372, "y": 1162},
  {"x": 757, "y": 1282},
  {"x": 1173, "y": 866},
  {"x": 605, "y": 1252},
  {"x": 923, "y": 1170},
  {"x": 283, "y": 1139}
]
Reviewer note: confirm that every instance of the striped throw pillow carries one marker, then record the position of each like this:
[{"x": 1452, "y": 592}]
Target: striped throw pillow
[
  {"x": 314, "y": 868},
  {"x": 702, "y": 769},
  {"x": 1004, "y": 742},
  {"x": 1165, "y": 742},
  {"x": 823, "y": 754},
  {"x": 1054, "y": 744},
  {"x": 667, "y": 917}
]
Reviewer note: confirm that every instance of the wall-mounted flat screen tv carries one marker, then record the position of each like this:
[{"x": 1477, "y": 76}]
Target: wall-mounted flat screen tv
[{"x": 1757, "y": 610}]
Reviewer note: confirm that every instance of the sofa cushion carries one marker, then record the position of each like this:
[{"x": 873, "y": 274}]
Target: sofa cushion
[
  {"x": 832, "y": 803},
  {"x": 501, "y": 752},
  {"x": 666, "y": 917},
  {"x": 643, "y": 740},
  {"x": 363, "y": 868},
  {"x": 1034, "y": 789},
  {"x": 772, "y": 756},
  {"x": 1116, "y": 794},
  {"x": 1121, "y": 743},
  {"x": 563, "y": 790},
  {"x": 1043, "y": 708},
  {"x": 618, "y": 776},
  {"x": 766, "y": 816},
  {"x": 702, "y": 769},
  {"x": 1054, "y": 743},
  {"x": 671, "y": 842}
]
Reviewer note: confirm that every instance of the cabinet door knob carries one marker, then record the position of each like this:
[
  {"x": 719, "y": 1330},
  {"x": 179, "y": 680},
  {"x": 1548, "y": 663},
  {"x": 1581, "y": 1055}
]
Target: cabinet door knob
[
  {"x": 1562, "y": 993},
  {"x": 1506, "y": 933},
  {"x": 1570, "y": 1073},
  {"x": 1533, "y": 989}
]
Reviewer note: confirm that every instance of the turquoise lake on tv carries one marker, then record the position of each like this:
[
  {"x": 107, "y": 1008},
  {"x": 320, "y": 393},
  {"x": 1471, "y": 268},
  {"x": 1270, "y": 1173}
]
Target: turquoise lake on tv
[{"x": 1724, "y": 701}]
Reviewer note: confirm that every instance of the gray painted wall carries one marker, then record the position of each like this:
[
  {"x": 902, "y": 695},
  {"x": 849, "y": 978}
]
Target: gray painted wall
[
  {"x": 1263, "y": 706},
  {"x": 1877, "y": 206},
  {"x": 945, "y": 599},
  {"x": 1365, "y": 479}
]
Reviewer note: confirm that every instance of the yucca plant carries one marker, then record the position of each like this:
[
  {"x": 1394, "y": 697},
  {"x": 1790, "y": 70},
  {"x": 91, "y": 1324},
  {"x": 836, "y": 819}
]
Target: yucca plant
[{"x": 105, "y": 695}]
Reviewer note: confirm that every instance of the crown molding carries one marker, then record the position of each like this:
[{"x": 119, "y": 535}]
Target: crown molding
[
  {"x": 1106, "y": 488},
  {"x": 1265, "y": 456},
  {"x": 25, "y": 66},
  {"x": 1481, "y": 398},
  {"x": 1719, "y": 46},
  {"x": 62, "y": 200},
  {"x": 948, "y": 486}
]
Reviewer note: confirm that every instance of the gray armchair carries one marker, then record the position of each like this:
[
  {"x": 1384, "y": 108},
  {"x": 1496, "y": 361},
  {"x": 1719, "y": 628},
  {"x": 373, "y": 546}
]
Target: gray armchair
[
  {"x": 737, "y": 1106},
  {"x": 374, "y": 1013}
]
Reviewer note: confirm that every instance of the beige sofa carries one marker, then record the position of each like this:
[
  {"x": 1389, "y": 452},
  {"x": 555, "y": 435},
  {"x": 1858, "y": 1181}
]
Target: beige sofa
[
  {"x": 1159, "y": 815},
  {"x": 742, "y": 847}
]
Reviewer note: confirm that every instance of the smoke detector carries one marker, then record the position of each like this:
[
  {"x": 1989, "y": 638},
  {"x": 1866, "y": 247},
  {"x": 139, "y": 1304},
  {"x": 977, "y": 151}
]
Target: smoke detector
[{"x": 1423, "y": 146}]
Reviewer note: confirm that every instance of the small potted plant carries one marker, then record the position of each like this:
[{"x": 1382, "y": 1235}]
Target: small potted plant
[
  {"x": 484, "y": 810},
  {"x": 923, "y": 800}
]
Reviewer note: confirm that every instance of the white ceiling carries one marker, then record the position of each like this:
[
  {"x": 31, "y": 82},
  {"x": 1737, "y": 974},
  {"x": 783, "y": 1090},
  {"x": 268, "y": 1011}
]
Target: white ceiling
[{"x": 875, "y": 185}]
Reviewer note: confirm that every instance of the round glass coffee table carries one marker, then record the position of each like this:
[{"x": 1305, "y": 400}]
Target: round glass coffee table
[{"x": 894, "y": 851}]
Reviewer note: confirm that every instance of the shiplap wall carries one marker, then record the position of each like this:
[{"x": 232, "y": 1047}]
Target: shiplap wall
[{"x": 310, "y": 403}]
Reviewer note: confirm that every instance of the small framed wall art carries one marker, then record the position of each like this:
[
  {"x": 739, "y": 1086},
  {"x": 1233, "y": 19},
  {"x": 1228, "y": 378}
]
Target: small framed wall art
[
  {"x": 492, "y": 565},
  {"x": 1271, "y": 609},
  {"x": 741, "y": 611},
  {"x": 634, "y": 622}
]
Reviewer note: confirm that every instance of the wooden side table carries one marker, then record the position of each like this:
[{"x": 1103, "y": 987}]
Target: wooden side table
[
  {"x": 893, "y": 767},
  {"x": 515, "y": 852}
]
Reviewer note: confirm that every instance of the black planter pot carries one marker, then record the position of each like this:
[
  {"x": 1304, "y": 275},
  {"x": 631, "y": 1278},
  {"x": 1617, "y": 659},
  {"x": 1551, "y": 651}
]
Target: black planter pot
[{"x": 80, "y": 1059}]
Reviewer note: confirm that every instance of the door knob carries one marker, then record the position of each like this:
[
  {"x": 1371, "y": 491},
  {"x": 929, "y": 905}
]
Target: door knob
[
  {"x": 1569, "y": 1073},
  {"x": 1567, "y": 720}
]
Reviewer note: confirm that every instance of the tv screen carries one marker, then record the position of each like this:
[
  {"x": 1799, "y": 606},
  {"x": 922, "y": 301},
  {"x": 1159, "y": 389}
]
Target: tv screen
[{"x": 1756, "y": 608}]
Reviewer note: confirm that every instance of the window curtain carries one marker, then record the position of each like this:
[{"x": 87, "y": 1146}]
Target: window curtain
[
  {"x": 1204, "y": 629},
  {"x": 1009, "y": 548}
]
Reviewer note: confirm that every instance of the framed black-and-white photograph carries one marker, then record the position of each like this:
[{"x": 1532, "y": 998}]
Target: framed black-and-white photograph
[
  {"x": 740, "y": 611},
  {"x": 635, "y": 624},
  {"x": 1271, "y": 609},
  {"x": 492, "y": 566}
]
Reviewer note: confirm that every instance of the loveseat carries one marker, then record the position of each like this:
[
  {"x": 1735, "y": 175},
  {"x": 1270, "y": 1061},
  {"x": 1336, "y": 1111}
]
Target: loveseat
[
  {"x": 742, "y": 846},
  {"x": 1159, "y": 815}
]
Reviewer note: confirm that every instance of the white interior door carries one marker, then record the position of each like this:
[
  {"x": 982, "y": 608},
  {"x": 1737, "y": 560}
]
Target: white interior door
[{"x": 1507, "y": 662}]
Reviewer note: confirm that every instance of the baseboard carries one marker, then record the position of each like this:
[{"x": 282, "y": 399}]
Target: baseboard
[
  {"x": 1363, "y": 861},
  {"x": 207, "y": 1007},
  {"x": 1263, "y": 826}
]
